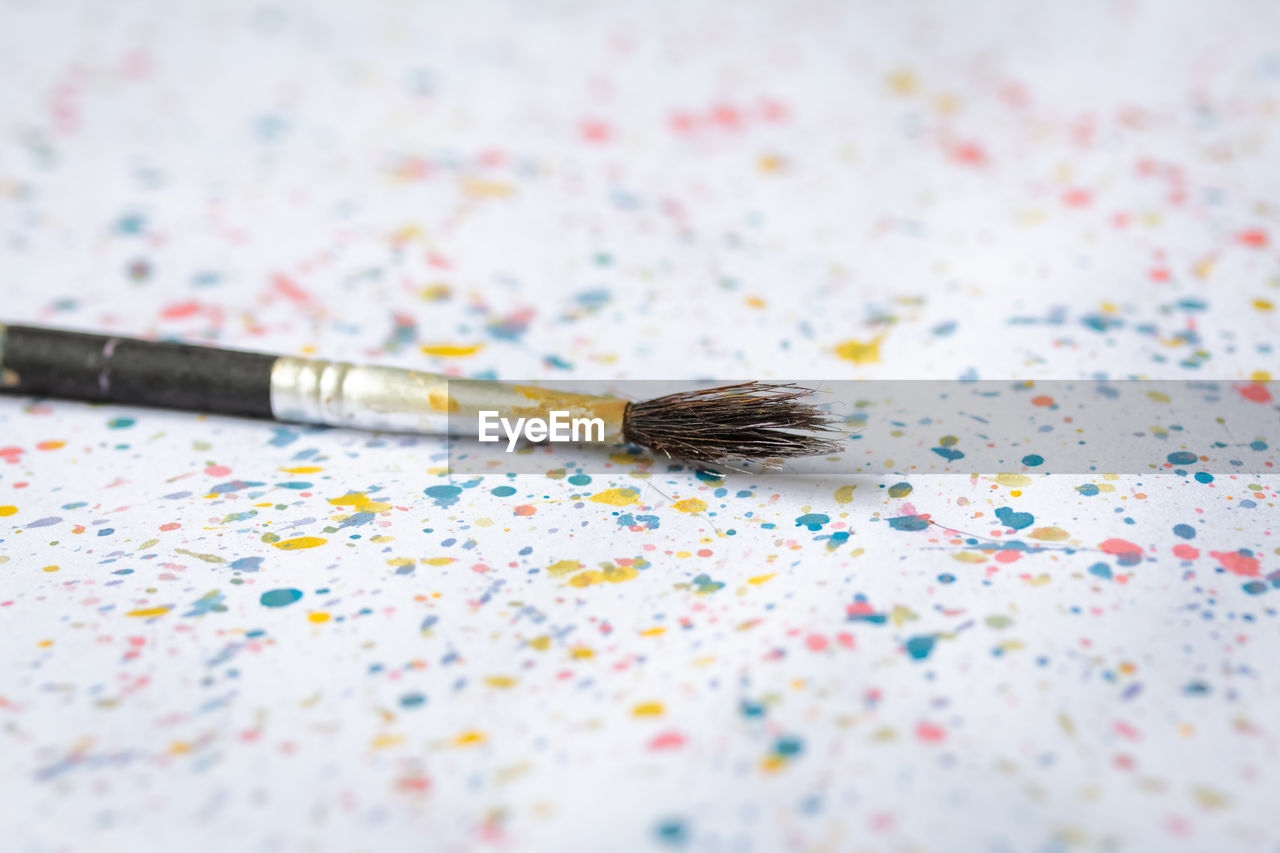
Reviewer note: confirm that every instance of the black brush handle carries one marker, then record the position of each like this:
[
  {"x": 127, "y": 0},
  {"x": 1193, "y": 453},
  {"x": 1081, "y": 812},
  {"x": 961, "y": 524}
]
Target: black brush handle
[{"x": 109, "y": 369}]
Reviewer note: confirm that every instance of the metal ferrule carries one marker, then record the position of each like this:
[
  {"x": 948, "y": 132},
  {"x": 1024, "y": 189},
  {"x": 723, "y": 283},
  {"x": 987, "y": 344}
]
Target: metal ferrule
[{"x": 396, "y": 399}]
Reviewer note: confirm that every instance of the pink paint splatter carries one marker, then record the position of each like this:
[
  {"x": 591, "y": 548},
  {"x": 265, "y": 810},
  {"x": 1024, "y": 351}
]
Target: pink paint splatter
[{"x": 1237, "y": 563}]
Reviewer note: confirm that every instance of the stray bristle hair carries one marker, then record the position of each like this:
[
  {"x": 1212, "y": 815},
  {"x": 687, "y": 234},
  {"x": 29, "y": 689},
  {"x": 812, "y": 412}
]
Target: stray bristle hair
[{"x": 751, "y": 421}]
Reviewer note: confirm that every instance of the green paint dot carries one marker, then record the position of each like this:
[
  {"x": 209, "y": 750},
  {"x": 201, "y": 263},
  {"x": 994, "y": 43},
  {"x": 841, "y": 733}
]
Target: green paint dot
[{"x": 899, "y": 490}]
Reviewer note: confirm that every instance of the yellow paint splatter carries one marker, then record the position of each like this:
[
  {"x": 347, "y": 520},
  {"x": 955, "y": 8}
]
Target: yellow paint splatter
[
  {"x": 303, "y": 469},
  {"x": 502, "y": 681},
  {"x": 451, "y": 350},
  {"x": 560, "y": 568},
  {"x": 648, "y": 709},
  {"x": 439, "y": 561},
  {"x": 52, "y": 568},
  {"x": 861, "y": 352},
  {"x": 148, "y": 612},
  {"x": 582, "y": 653},
  {"x": 690, "y": 505},
  {"x": 318, "y": 617},
  {"x": 385, "y": 740},
  {"x": 609, "y": 574},
  {"x": 470, "y": 738},
  {"x": 1049, "y": 534},
  {"x": 541, "y": 643},
  {"x": 7, "y": 510},
  {"x": 616, "y": 497},
  {"x": 1013, "y": 480},
  {"x": 656, "y": 631},
  {"x": 968, "y": 557},
  {"x": 844, "y": 494},
  {"x": 481, "y": 188},
  {"x": 300, "y": 543},
  {"x": 759, "y": 579},
  {"x": 903, "y": 82}
]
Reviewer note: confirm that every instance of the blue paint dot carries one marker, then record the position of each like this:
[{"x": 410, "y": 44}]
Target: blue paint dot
[
  {"x": 1186, "y": 531},
  {"x": 1101, "y": 570},
  {"x": 945, "y": 578},
  {"x": 1088, "y": 490},
  {"x": 1032, "y": 459},
  {"x": 502, "y": 491},
  {"x": 412, "y": 700},
  {"x": 1204, "y": 477},
  {"x": 1182, "y": 457}
]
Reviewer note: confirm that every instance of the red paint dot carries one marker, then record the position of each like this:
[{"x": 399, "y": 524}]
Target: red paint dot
[
  {"x": 1077, "y": 198},
  {"x": 1254, "y": 238},
  {"x": 596, "y": 131}
]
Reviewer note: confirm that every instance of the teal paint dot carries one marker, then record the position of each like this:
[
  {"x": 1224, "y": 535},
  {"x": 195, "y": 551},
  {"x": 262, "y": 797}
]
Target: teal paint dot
[
  {"x": 1088, "y": 490},
  {"x": 672, "y": 832},
  {"x": 444, "y": 496},
  {"x": 1032, "y": 459},
  {"x": 921, "y": 646},
  {"x": 502, "y": 492},
  {"x": 812, "y": 520},
  {"x": 121, "y": 423},
  {"x": 788, "y": 746},
  {"x": 412, "y": 700},
  {"x": 1181, "y": 457},
  {"x": 580, "y": 480},
  {"x": 280, "y": 597},
  {"x": 1101, "y": 570},
  {"x": 1204, "y": 477},
  {"x": 909, "y": 522},
  {"x": 899, "y": 490},
  {"x": 1016, "y": 520}
]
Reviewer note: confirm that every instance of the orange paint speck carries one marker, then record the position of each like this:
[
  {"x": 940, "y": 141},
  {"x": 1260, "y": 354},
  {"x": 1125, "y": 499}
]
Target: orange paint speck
[
  {"x": 525, "y": 510},
  {"x": 50, "y": 445},
  {"x": 1043, "y": 401}
]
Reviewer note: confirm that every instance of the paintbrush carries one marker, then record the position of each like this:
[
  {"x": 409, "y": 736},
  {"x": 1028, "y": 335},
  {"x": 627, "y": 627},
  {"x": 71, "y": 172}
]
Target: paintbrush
[{"x": 749, "y": 421}]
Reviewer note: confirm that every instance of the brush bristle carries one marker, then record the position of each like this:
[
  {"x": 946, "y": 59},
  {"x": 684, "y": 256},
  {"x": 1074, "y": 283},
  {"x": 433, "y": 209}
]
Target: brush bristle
[{"x": 751, "y": 421}]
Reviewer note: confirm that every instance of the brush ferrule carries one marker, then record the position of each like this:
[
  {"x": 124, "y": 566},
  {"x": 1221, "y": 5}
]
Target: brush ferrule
[{"x": 337, "y": 393}]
